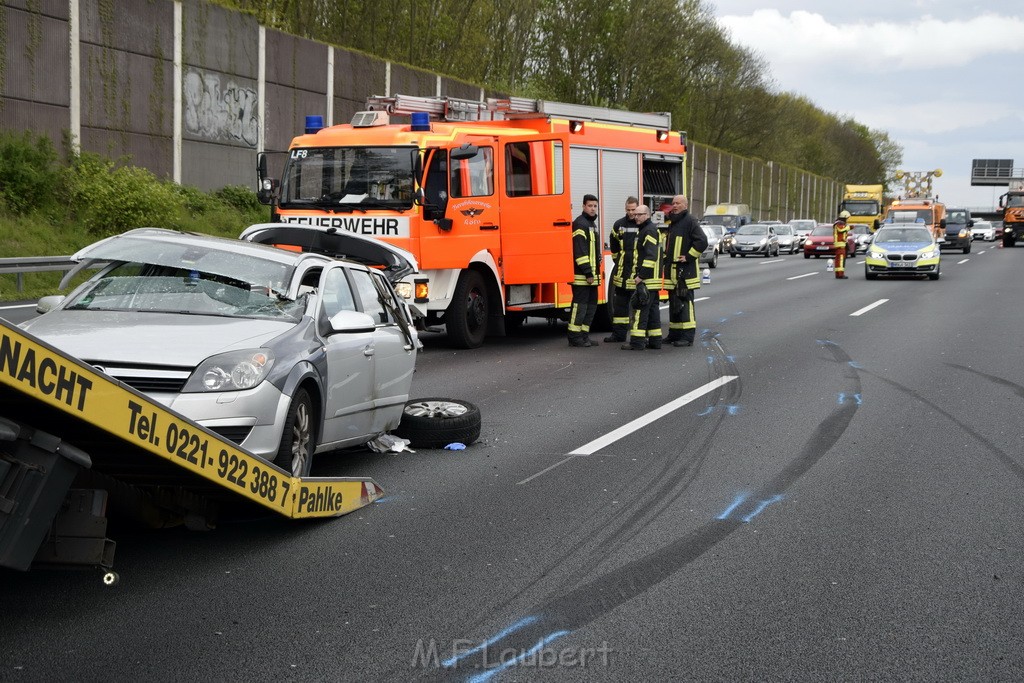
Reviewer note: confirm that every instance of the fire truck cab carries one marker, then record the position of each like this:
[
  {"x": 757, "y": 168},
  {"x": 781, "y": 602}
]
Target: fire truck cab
[{"x": 483, "y": 194}]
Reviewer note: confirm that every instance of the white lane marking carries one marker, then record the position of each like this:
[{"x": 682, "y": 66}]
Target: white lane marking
[
  {"x": 797, "y": 277},
  {"x": 778, "y": 260},
  {"x": 859, "y": 263},
  {"x": 4, "y": 308},
  {"x": 629, "y": 428},
  {"x": 963, "y": 261},
  {"x": 868, "y": 308},
  {"x": 664, "y": 307}
]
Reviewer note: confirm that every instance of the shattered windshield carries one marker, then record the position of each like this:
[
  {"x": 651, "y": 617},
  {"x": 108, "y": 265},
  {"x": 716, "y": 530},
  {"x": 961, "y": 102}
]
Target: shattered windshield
[
  {"x": 349, "y": 178},
  {"x": 156, "y": 288}
]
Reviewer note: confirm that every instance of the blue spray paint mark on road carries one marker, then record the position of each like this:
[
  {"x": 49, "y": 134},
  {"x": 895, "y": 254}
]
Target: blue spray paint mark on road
[
  {"x": 723, "y": 320},
  {"x": 856, "y": 365},
  {"x": 735, "y": 504},
  {"x": 761, "y": 506},
  {"x": 525, "y": 621},
  {"x": 841, "y": 399},
  {"x": 541, "y": 644},
  {"x": 731, "y": 359},
  {"x": 825, "y": 342},
  {"x": 706, "y": 411},
  {"x": 732, "y": 409},
  {"x": 856, "y": 397},
  {"x": 711, "y": 360}
]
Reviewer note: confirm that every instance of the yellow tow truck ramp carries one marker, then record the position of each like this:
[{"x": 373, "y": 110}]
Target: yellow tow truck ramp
[{"x": 59, "y": 413}]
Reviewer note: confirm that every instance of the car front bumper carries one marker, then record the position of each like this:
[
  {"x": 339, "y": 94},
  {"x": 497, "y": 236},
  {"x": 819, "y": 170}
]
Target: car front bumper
[
  {"x": 257, "y": 414},
  {"x": 896, "y": 267}
]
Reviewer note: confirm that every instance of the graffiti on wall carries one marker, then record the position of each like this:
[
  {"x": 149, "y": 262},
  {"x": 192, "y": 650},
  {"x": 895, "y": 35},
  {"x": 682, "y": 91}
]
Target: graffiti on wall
[{"x": 220, "y": 109}]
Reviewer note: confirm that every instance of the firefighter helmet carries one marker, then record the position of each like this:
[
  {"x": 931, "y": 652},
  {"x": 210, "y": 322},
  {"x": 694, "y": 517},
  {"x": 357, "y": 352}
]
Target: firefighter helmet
[{"x": 844, "y": 215}]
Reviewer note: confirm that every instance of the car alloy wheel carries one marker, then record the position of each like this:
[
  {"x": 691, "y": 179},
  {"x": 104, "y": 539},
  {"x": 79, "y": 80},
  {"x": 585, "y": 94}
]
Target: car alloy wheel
[{"x": 437, "y": 422}]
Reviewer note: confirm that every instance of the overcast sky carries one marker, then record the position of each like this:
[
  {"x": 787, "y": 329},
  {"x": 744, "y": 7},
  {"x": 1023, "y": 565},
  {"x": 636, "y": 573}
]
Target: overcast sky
[{"x": 944, "y": 78}]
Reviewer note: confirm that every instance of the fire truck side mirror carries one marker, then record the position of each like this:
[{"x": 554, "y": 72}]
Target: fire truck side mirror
[
  {"x": 444, "y": 224},
  {"x": 464, "y": 151},
  {"x": 266, "y": 190}
]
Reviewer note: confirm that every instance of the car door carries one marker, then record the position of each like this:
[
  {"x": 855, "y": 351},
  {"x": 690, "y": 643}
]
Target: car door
[
  {"x": 394, "y": 349},
  {"x": 348, "y": 386}
]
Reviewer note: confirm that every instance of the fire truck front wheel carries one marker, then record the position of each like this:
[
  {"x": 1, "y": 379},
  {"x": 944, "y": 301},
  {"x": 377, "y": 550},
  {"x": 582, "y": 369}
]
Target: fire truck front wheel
[{"x": 466, "y": 320}]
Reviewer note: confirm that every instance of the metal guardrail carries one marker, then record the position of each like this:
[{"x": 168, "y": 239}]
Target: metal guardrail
[{"x": 20, "y": 265}]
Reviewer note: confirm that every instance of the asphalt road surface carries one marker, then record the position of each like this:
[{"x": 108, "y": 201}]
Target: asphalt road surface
[{"x": 827, "y": 486}]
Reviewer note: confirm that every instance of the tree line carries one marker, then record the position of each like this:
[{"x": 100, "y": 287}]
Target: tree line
[{"x": 640, "y": 55}]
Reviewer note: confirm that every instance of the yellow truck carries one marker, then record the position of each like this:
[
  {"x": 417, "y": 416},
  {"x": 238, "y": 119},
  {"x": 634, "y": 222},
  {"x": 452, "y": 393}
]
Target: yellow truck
[{"x": 864, "y": 202}]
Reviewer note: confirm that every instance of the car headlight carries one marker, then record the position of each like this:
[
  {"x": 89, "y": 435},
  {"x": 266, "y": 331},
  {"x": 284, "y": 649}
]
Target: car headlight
[
  {"x": 930, "y": 253},
  {"x": 231, "y": 371},
  {"x": 764, "y": 241},
  {"x": 404, "y": 290},
  {"x": 963, "y": 233},
  {"x": 876, "y": 253}
]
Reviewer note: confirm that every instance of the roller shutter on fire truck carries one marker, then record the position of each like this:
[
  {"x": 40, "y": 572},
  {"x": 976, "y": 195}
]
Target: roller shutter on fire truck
[
  {"x": 583, "y": 176},
  {"x": 620, "y": 178}
]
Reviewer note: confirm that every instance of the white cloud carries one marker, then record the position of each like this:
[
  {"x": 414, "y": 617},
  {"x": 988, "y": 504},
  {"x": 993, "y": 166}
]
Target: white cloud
[
  {"x": 946, "y": 89},
  {"x": 872, "y": 48}
]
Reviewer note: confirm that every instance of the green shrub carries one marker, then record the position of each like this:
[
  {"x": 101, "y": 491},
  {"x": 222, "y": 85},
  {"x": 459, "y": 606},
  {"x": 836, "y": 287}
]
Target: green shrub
[
  {"x": 109, "y": 199},
  {"x": 238, "y": 197},
  {"x": 28, "y": 171},
  {"x": 193, "y": 200}
]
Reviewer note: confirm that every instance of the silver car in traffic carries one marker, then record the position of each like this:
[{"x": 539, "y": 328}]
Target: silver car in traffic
[{"x": 287, "y": 354}]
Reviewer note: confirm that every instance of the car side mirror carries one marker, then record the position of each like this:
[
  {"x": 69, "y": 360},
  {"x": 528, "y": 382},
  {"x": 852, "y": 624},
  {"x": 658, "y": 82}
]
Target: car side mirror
[
  {"x": 352, "y": 322},
  {"x": 970, "y": 223},
  {"x": 48, "y": 303}
]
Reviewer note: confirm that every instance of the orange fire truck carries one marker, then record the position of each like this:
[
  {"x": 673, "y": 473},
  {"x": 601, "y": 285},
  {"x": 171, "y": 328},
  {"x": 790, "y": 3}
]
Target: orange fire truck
[{"x": 483, "y": 194}]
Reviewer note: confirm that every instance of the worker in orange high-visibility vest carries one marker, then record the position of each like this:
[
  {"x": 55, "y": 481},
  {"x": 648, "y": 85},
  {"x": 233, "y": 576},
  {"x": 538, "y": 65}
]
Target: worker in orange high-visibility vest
[{"x": 840, "y": 230}]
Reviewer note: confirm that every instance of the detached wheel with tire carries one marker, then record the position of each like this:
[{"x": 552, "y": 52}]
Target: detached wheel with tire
[
  {"x": 466, "y": 320},
  {"x": 295, "y": 454},
  {"x": 437, "y": 422}
]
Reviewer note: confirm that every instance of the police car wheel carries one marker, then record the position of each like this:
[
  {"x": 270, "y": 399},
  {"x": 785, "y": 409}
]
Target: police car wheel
[
  {"x": 295, "y": 455},
  {"x": 437, "y": 422}
]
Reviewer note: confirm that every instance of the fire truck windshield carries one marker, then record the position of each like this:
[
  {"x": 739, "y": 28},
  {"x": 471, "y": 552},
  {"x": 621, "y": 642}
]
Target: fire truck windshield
[{"x": 327, "y": 177}]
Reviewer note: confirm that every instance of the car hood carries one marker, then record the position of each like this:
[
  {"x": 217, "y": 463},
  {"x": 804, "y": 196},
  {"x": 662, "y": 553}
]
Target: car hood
[
  {"x": 150, "y": 338},
  {"x": 902, "y": 246},
  {"x": 748, "y": 239}
]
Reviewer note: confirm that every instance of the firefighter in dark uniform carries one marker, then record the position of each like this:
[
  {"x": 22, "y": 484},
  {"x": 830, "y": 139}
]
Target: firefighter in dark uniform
[
  {"x": 645, "y": 307},
  {"x": 586, "y": 254},
  {"x": 621, "y": 242},
  {"x": 840, "y": 230},
  {"x": 686, "y": 242}
]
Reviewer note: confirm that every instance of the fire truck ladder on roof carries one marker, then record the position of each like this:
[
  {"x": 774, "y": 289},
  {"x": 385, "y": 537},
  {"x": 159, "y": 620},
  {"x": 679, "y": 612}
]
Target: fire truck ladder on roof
[
  {"x": 455, "y": 109},
  {"x": 63, "y": 422}
]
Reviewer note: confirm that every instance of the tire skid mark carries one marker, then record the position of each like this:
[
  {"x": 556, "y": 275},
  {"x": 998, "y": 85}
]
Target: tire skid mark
[
  {"x": 1015, "y": 388},
  {"x": 629, "y": 520},
  {"x": 565, "y": 612},
  {"x": 1008, "y": 461}
]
